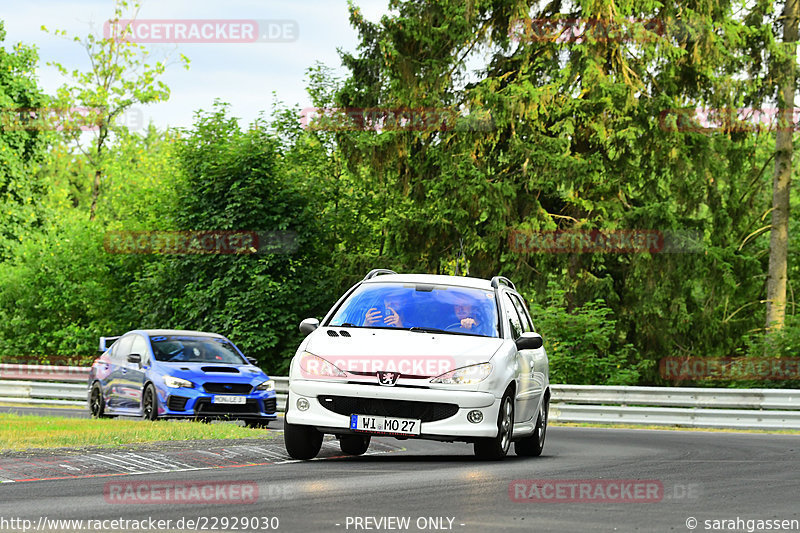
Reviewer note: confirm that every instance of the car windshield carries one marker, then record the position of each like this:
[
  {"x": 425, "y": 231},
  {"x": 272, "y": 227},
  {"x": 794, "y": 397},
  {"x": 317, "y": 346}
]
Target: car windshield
[
  {"x": 459, "y": 310},
  {"x": 190, "y": 349}
]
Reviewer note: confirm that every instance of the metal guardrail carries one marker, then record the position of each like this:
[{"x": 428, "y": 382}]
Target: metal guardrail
[{"x": 668, "y": 406}]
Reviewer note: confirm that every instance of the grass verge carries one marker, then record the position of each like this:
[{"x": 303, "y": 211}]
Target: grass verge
[{"x": 25, "y": 432}]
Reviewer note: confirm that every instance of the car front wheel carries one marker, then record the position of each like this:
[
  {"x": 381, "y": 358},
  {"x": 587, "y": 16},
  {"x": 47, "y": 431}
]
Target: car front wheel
[
  {"x": 497, "y": 447},
  {"x": 150, "y": 403},
  {"x": 302, "y": 442},
  {"x": 354, "y": 444},
  {"x": 532, "y": 446}
]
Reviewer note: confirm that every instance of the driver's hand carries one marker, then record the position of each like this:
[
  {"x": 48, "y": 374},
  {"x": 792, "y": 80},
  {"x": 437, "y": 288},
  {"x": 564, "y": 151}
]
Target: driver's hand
[
  {"x": 468, "y": 323},
  {"x": 373, "y": 317},
  {"x": 392, "y": 318}
]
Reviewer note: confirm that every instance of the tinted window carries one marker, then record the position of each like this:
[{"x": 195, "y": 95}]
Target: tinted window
[
  {"x": 191, "y": 349},
  {"x": 460, "y": 310},
  {"x": 122, "y": 348},
  {"x": 513, "y": 318},
  {"x": 527, "y": 325},
  {"x": 140, "y": 346}
]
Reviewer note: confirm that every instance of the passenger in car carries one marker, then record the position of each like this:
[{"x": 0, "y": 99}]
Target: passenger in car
[{"x": 391, "y": 315}]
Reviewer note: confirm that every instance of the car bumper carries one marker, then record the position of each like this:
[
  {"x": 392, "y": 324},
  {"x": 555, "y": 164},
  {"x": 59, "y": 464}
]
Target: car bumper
[
  {"x": 187, "y": 403},
  {"x": 452, "y": 427}
]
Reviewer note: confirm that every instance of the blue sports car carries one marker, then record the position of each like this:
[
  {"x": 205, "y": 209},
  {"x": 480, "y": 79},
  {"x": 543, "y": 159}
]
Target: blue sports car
[{"x": 179, "y": 374}]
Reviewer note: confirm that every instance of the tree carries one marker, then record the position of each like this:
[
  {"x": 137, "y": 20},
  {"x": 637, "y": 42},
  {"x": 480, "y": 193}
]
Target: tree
[
  {"x": 786, "y": 68},
  {"x": 23, "y": 145},
  {"x": 234, "y": 180},
  {"x": 120, "y": 77}
]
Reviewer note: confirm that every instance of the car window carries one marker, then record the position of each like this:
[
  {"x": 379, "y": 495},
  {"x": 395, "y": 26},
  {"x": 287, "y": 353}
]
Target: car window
[
  {"x": 140, "y": 346},
  {"x": 513, "y": 318},
  {"x": 120, "y": 353},
  {"x": 195, "y": 349},
  {"x": 527, "y": 325},
  {"x": 459, "y": 310}
]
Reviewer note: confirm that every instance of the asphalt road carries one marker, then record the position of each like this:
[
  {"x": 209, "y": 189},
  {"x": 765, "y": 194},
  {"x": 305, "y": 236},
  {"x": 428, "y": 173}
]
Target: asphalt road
[{"x": 441, "y": 487}]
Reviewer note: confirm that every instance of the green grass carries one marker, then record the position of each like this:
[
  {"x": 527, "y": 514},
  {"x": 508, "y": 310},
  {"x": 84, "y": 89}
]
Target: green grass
[{"x": 26, "y": 432}]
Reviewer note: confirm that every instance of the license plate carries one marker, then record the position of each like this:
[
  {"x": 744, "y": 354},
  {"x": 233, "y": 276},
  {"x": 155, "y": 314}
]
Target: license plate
[
  {"x": 238, "y": 400},
  {"x": 385, "y": 424}
]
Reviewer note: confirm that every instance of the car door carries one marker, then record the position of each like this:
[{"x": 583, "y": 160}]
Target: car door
[
  {"x": 135, "y": 374},
  {"x": 119, "y": 358},
  {"x": 538, "y": 357},
  {"x": 523, "y": 407}
]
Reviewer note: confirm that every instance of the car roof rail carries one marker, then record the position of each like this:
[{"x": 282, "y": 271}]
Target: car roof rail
[
  {"x": 502, "y": 279},
  {"x": 104, "y": 342},
  {"x": 377, "y": 272}
]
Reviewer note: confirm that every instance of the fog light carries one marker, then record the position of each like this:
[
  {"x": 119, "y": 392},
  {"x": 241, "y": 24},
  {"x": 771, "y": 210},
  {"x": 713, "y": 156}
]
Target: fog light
[
  {"x": 476, "y": 417},
  {"x": 303, "y": 404}
]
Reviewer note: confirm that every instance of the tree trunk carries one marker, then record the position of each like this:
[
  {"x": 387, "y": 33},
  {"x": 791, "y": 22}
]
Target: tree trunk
[
  {"x": 779, "y": 235},
  {"x": 96, "y": 193}
]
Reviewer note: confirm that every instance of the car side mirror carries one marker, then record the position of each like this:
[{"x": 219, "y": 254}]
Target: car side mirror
[
  {"x": 253, "y": 361},
  {"x": 135, "y": 358},
  {"x": 308, "y": 325},
  {"x": 529, "y": 341}
]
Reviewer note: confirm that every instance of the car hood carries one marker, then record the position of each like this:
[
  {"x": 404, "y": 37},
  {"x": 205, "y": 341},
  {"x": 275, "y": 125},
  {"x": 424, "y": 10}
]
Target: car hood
[
  {"x": 215, "y": 372},
  {"x": 409, "y": 352}
]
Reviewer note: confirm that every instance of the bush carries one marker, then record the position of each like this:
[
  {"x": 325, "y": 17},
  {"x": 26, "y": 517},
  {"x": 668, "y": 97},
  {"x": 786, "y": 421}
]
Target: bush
[{"x": 581, "y": 344}]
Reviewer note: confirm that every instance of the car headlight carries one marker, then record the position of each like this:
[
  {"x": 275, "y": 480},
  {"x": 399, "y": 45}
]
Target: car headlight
[
  {"x": 468, "y": 375},
  {"x": 177, "y": 383},
  {"x": 315, "y": 366},
  {"x": 266, "y": 386}
]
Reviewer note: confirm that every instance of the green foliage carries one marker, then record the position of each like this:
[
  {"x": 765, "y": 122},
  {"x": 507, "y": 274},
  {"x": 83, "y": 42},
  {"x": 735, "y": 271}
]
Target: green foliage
[
  {"x": 22, "y": 148},
  {"x": 234, "y": 180},
  {"x": 122, "y": 76},
  {"x": 581, "y": 344},
  {"x": 61, "y": 292}
]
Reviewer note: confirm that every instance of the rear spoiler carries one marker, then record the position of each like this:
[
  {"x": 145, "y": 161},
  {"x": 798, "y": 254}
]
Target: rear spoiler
[{"x": 106, "y": 342}]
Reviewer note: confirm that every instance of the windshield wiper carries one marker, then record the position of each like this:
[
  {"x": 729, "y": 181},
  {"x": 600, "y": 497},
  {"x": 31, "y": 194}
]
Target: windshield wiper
[{"x": 428, "y": 330}]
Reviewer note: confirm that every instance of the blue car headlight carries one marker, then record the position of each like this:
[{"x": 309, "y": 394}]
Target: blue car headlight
[
  {"x": 266, "y": 386},
  {"x": 177, "y": 383}
]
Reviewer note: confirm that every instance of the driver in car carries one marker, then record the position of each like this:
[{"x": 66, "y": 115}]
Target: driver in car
[{"x": 466, "y": 315}]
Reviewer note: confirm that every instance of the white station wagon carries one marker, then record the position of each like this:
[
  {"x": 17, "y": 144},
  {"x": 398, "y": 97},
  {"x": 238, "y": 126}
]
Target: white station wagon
[{"x": 444, "y": 358}]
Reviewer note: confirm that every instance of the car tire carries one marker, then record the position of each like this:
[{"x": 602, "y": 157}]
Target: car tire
[
  {"x": 497, "y": 447},
  {"x": 257, "y": 424},
  {"x": 301, "y": 442},
  {"x": 97, "y": 404},
  {"x": 532, "y": 446},
  {"x": 354, "y": 444},
  {"x": 150, "y": 403}
]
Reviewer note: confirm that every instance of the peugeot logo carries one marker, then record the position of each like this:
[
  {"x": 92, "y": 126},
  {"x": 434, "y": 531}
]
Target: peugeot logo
[{"x": 387, "y": 378}]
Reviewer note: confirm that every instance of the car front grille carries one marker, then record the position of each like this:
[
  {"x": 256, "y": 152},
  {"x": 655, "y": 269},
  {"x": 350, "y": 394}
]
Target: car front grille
[
  {"x": 270, "y": 405},
  {"x": 203, "y": 406},
  {"x": 424, "y": 411},
  {"x": 228, "y": 388},
  {"x": 177, "y": 403}
]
